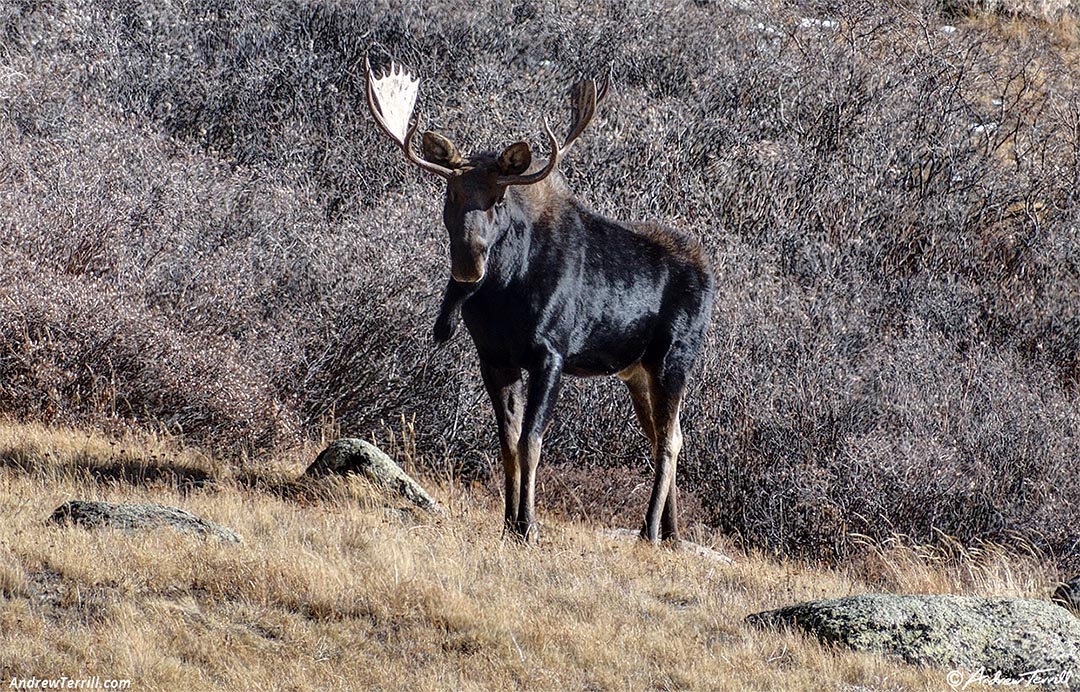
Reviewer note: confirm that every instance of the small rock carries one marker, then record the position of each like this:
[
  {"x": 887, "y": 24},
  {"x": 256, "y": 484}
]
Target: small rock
[
  {"x": 683, "y": 545},
  {"x": 1068, "y": 594},
  {"x": 815, "y": 23},
  {"x": 1009, "y": 636},
  {"x": 620, "y": 534},
  {"x": 134, "y": 517},
  {"x": 705, "y": 552},
  {"x": 351, "y": 455}
]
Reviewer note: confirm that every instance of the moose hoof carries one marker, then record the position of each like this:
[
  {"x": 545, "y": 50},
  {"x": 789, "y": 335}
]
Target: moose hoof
[
  {"x": 670, "y": 539},
  {"x": 525, "y": 532}
]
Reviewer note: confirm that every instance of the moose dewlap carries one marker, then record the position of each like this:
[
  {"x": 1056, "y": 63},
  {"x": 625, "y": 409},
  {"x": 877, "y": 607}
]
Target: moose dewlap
[{"x": 548, "y": 287}]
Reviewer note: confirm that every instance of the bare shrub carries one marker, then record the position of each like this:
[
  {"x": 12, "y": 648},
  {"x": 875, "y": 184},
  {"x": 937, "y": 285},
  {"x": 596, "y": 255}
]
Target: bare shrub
[
  {"x": 202, "y": 230},
  {"x": 1036, "y": 9}
]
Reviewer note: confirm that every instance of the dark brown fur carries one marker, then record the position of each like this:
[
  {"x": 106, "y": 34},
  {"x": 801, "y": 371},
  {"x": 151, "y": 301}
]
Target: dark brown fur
[
  {"x": 560, "y": 289},
  {"x": 548, "y": 287}
]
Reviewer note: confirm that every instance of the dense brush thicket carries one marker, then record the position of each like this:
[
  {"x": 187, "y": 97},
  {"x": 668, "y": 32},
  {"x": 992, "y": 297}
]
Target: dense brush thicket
[{"x": 203, "y": 231}]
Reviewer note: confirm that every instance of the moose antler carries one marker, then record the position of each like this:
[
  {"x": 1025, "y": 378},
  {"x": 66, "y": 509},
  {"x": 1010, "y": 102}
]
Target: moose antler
[
  {"x": 391, "y": 98},
  {"x": 585, "y": 95}
]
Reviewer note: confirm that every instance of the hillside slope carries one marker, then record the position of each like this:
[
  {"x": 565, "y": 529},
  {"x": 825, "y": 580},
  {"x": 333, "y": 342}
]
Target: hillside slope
[{"x": 333, "y": 591}]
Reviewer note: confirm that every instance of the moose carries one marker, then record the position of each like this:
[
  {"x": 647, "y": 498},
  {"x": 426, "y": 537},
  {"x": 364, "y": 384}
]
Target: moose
[{"x": 547, "y": 287}]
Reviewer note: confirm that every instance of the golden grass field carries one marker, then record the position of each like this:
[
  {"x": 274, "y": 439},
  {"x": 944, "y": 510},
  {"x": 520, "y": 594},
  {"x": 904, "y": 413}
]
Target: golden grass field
[{"x": 333, "y": 591}]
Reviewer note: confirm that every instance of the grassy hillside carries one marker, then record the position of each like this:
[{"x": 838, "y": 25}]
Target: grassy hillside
[
  {"x": 331, "y": 590},
  {"x": 202, "y": 234}
]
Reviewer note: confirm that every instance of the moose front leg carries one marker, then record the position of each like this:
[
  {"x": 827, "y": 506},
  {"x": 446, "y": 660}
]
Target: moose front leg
[
  {"x": 543, "y": 391},
  {"x": 505, "y": 387}
]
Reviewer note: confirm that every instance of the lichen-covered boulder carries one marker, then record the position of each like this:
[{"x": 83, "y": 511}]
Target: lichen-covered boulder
[
  {"x": 1007, "y": 636},
  {"x": 134, "y": 517},
  {"x": 351, "y": 455}
]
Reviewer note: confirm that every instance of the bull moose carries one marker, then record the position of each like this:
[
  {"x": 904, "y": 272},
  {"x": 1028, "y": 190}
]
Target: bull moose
[{"x": 548, "y": 287}]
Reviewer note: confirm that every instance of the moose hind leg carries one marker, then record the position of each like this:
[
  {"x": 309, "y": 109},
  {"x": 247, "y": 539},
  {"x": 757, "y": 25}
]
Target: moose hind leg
[
  {"x": 661, "y": 517},
  {"x": 637, "y": 381},
  {"x": 505, "y": 388},
  {"x": 669, "y": 520}
]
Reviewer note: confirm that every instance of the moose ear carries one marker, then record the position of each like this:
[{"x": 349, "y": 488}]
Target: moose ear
[
  {"x": 515, "y": 159},
  {"x": 440, "y": 150}
]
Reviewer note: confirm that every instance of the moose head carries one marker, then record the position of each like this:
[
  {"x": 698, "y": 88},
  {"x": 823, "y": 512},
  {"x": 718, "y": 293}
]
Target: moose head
[{"x": 474, "y": 211}]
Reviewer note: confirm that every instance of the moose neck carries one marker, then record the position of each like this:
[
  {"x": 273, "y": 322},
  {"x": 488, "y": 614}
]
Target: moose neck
[{"x": 532, "y": 209}]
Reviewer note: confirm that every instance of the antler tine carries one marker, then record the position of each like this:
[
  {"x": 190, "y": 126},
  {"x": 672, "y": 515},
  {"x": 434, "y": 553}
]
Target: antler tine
[
  {"x": 602, "y": 93},
  {"x": 391, "y": 98}
]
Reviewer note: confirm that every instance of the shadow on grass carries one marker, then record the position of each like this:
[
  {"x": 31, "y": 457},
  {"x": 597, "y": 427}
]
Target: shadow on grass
[{"x": 120, "y": 467}]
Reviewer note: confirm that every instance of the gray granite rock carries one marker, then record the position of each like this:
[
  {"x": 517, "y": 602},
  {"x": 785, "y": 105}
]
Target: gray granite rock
[
  {"x": 1009, "y": 637},
  {"x": 134, "y": 517},
  {"x": 351, "y": 455}
]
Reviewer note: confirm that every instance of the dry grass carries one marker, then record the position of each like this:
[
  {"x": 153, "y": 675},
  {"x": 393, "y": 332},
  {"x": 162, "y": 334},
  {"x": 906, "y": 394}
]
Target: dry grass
[{"x": 336, "y": 592}]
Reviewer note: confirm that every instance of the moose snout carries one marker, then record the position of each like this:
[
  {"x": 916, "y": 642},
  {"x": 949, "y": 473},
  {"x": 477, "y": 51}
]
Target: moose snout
[
  {"x": 470, "y": 275},
  {"x": 469, "y": 251},
  {"x": 468, "y": 261}
]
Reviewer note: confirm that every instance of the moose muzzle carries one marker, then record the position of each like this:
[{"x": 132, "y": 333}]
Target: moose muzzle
[{"x": 469, "y": 248}]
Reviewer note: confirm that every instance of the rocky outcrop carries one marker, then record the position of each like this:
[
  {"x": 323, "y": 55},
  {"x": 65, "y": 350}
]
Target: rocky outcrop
[
  {"x": 135, "y": 517},
  {"x": 1008, "y": 637},
  {"x": 351, "y": 455}
]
